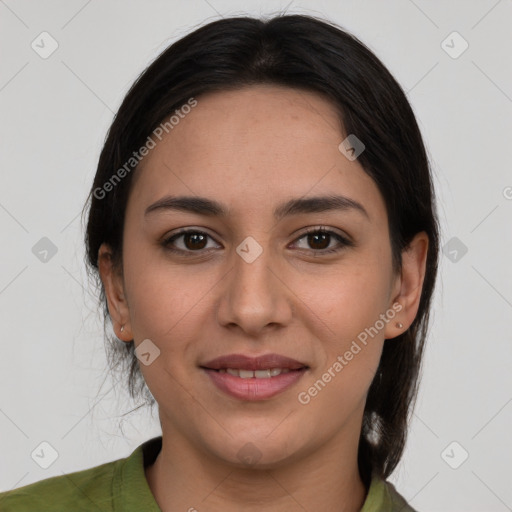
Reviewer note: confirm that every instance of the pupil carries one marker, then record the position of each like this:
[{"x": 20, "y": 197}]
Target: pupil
[
  {"x": 195, "y": 238},
  {"x": 323, "y": 236},
  {"x": 316, "y": 240}
]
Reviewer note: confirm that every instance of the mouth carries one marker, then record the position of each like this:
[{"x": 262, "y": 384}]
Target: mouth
[
  {"x": 254, "y": 378},
  {"x": 247, "y": 363},
  {"x": 256, "y": 374}
]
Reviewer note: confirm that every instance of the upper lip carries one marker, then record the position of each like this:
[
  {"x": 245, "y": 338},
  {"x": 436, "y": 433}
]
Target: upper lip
[{"x": 243, "y": 362}]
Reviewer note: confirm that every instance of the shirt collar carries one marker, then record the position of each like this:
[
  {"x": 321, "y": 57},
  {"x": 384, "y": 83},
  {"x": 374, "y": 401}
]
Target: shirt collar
[{"x": 131, "y": 492}]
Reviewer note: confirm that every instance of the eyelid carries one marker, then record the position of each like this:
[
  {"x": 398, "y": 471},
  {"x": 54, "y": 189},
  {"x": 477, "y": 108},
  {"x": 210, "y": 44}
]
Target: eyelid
[
  {"x": 166, "y": 239},
  {"x": 325, "y": 229},
  {"x": 343, "y": 239}
]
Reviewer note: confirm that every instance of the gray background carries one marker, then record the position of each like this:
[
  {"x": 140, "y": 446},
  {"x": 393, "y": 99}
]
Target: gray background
[{"x": 54, "y": 115}]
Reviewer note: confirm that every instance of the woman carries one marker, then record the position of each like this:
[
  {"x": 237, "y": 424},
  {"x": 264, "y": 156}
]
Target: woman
[{"x": 263, "y": 223}]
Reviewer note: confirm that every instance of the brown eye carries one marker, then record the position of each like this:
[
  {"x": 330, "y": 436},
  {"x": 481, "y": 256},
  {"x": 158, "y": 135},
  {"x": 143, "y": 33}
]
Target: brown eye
[
  {"x": 187, "y": 241},
  {"x": 319, "y": 240},
  {"x": 194, "y": 241}
]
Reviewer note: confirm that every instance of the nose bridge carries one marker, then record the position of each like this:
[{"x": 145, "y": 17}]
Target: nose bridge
[
  {"x": 252, "y": 287},
  {"x": 251, "y": 269},
  {"x": 253, "y": 297}
]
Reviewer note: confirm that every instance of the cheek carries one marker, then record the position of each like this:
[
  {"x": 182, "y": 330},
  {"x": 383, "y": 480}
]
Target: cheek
[
  {"x": 350, "y": 343},
  {"x": 167, "y": 307},
  {"x": 345, "y": 308},
  {"x": 348, "y": 299},
  {"x": 161, "y": 293},
  {"x": 168, "y": 304}
]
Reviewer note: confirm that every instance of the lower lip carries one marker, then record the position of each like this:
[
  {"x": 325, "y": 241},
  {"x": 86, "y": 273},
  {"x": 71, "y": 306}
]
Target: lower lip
[{"x": 253, "y": 388}]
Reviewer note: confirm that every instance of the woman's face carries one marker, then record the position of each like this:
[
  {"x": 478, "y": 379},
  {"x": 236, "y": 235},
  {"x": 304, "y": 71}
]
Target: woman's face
[{"x": 250, "y": 282}]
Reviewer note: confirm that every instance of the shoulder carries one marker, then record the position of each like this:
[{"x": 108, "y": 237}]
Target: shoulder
[
  {"x": 89, "y": 489},
  {"x": 397, "y": 500},
  {"x": 383, "y": 497}
]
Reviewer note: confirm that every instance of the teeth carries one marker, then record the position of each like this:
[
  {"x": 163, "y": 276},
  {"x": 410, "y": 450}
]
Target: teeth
[
  {"x": 262, "y": 374},
  {"x": 246, "y": 374},
  {"x": 258, "y": 374}
]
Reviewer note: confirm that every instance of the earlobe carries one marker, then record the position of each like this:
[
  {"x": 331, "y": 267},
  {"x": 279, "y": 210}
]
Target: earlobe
[
  {"x": 395, "y": 327},
  {"x": 114, "y": 292},
  {"x": 410, "y": 282}
]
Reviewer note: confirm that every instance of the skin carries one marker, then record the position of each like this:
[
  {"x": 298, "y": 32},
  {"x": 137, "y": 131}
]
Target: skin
[{"x": 251, "y": 150}]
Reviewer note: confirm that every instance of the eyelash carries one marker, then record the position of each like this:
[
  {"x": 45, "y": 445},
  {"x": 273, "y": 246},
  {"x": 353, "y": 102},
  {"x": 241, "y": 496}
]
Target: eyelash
[{"x": 344, "y": 242}]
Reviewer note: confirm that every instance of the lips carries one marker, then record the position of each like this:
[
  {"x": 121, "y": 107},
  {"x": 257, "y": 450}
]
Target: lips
[
  {"x": 254, "y": 378},
  {"x": 264, "y": 362}
]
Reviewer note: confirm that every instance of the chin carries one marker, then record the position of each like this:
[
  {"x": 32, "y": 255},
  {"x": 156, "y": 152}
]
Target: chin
[{"x": 262, "y": 452}]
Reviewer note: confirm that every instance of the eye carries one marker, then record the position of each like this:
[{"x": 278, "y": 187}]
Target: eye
[
  {"x": 193, "y": 240},
  {"x": 319, "y": 240}
]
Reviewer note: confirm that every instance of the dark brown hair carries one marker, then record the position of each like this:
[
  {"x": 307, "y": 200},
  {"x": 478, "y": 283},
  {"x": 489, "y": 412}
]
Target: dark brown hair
[{"x": 305, "y": 53}]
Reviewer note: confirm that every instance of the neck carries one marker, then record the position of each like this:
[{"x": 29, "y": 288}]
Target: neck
[{"x": 184, "y": 478}]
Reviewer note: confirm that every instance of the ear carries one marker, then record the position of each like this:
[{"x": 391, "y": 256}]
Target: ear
[
  {"x": 408, "y": 285},
  {"x": 112, "y": 280}
]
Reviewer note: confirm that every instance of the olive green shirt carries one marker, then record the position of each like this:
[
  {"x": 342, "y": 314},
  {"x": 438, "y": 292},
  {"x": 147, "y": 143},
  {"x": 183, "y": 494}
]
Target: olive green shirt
[{"x": 121, "y": 486}]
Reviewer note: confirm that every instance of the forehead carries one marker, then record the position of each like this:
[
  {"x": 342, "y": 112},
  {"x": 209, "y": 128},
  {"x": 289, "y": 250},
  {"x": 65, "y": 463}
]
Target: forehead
[{"x": 253, "y": 147}]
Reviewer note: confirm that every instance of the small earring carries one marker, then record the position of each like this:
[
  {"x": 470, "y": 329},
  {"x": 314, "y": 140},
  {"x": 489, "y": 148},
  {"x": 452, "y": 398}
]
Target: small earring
[
  {"x": 398, "y": 324},
  {"x": 122, "y": 328}
]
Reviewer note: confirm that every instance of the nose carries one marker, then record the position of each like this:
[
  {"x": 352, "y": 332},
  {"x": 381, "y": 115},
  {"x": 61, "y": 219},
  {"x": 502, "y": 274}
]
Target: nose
[{"x": 254, "y": 295}]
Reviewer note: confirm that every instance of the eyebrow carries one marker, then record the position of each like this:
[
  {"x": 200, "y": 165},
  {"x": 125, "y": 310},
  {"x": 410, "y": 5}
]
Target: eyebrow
[{"x": 211, "y": 208}]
